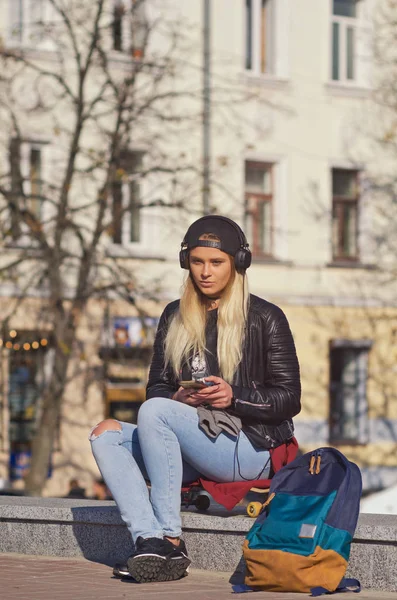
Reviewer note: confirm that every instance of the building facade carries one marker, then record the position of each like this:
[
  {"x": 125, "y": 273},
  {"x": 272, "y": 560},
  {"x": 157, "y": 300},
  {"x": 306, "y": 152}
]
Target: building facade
[{"x": 288, "y": 86}]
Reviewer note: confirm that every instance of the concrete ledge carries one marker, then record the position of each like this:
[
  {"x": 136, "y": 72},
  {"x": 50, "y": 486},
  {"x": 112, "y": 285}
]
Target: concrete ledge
[{"x": 94, "y": 530}]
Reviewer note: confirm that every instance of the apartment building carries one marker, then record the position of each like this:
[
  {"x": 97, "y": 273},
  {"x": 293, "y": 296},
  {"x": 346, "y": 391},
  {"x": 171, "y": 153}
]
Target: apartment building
[{"x": 287, "y": 87}]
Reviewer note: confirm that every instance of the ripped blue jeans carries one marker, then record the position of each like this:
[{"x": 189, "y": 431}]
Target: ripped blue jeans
[{"x": 167, "y": 447}]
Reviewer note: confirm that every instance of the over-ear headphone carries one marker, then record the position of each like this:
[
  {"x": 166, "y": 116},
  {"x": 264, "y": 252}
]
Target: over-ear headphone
[{"x": 242, "y": 258}]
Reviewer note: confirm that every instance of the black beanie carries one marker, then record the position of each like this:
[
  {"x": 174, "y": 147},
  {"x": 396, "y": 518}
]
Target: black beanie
[{"x": 231, "y": 236}]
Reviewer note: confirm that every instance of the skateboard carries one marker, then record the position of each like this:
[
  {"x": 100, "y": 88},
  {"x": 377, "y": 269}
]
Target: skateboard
[
  {"x": 196, "y": 495},
  {"x": 254, "y": 507}
]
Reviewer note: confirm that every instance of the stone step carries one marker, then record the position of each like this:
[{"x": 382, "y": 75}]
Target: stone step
[{"x": 92, "y": 529}]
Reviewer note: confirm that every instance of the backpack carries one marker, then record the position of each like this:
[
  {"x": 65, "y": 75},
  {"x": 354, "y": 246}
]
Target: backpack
[{"x": 301, "y": 540}]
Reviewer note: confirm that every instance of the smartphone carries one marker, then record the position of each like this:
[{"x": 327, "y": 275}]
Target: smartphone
[{"x": 195, "y": 385}]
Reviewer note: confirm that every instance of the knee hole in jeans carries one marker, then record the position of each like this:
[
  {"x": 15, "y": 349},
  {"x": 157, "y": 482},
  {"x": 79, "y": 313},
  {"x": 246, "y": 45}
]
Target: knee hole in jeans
[{"x": 103, "y": 426}]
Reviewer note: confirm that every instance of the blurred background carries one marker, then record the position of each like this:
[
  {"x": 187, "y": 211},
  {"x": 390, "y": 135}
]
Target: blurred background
[{"x": 122, "y": 121}]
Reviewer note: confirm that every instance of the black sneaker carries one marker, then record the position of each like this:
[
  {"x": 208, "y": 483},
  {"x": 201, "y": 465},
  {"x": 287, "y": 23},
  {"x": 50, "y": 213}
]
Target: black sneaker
[{"x": 158, "y": 559}]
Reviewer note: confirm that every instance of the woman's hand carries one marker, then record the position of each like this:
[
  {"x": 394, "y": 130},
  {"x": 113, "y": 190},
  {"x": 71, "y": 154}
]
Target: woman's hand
[
  {"x": 185, "y": 396},
  {"x": 218, "y": 395}
]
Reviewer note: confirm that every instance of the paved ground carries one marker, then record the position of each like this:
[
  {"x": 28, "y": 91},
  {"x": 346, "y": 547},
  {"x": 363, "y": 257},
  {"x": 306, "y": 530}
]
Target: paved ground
[{"x": 43, "y": 578}]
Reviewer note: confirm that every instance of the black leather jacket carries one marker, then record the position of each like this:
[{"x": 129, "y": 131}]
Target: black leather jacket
[{"x": 266, "y": 385}]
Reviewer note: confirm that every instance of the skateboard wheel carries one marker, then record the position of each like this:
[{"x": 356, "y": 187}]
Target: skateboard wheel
[
  {"x": 254, "y": 508},
  {"x": 202, "y": 502}
]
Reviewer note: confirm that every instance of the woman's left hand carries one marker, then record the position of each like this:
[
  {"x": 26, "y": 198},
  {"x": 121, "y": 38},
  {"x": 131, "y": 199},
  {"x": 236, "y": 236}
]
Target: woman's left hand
[{"x": 218, "y": 395}]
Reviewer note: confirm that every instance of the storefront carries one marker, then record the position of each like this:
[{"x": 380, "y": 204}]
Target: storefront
[
  {"x": 127, "y": 345},
  {"x": 28, "y": 355}
]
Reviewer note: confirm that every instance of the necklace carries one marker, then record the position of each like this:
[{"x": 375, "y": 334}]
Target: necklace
[{"x": 214, "y": 304}]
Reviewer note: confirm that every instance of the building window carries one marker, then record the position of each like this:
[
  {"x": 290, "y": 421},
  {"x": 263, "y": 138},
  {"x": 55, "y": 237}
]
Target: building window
[
  {"x": 348, "y": 391},
  {"x": 26, "y": 19},
  {"x": 35, "y": 182},
  {"x": 16, "y": 12},
  {"x": 37, "y": 10},
  {"x": 259, "y": 35},
  {"x": 129, "y": 27},
  {"x": 344, "y": 40},
  {"x": 126, "y": 199},
  {"x": 345, "y": 200},
  {"x": 118, "y": 14},
  {"x": 135, "y": 212},
  {"x": 259, "y": 206},
  {"x": 16, "y": 185},
  {"x": 117, "y": 210},
  {"x": 26, "y": 180}
]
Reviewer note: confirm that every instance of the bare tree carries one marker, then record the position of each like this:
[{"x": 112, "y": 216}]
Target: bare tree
[
  {"x": 114, "y": 120},
  {"x": 106, "y": 113}
]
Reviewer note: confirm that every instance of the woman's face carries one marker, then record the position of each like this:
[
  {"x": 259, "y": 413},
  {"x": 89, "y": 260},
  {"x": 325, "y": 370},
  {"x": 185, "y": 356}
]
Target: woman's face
[{"x": 211, "y": 270}]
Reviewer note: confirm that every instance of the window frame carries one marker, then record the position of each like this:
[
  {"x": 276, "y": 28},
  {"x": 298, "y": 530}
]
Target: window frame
[
  {"x": 17, "y": 32},
  {"x": 256, "y": 45},
  {"x": 35, "y": 195},
  {"x": 135, "y": 208},
  {"x": 118, "y": 14},
  {"x": 344, "y": 23},
  {"x": 29, "y": 26},
  {"x": 124, "y": 40},
  {"x": 336, "y": 405},
  {"x": 338, "y": 204},
  {"x": 128, "y": 185},
  {"x": 21, "y": 180},
  {"x": 117, "y": 212},
  {"x": 261, "y": 199}
]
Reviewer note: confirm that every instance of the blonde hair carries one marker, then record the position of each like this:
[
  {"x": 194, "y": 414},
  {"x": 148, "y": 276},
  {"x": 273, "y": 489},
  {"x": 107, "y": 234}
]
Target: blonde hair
[{"x": 186, "y": 332}]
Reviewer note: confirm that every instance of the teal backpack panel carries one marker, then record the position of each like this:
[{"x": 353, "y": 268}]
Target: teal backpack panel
[{"x": 289, "y": 514}]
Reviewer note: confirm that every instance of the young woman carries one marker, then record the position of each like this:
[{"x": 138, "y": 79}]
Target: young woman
[{"x": 239, "y": 344}]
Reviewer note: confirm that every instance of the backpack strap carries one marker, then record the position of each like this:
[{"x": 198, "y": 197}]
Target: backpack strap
[
  {"x": 241, "y": 588},
  {"x": 346, "y": 585}
]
